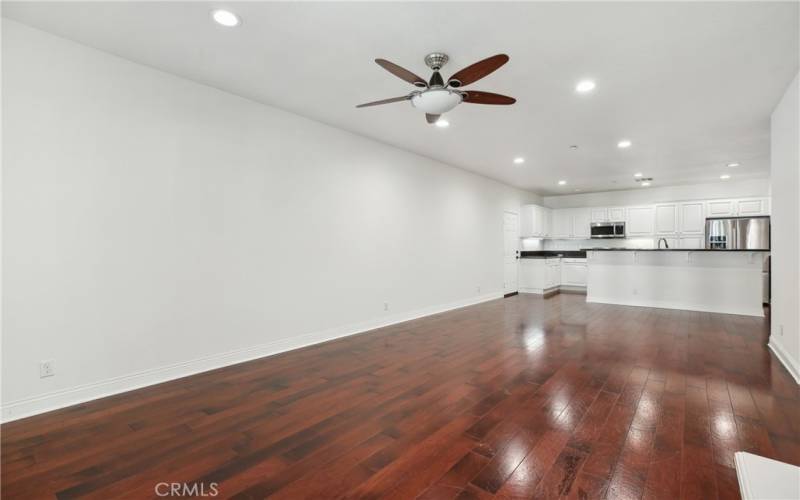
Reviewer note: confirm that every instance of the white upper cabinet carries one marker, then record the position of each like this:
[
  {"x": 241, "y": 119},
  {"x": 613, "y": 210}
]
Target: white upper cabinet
[
  {"x": 545, "y": 220},
  {"x": 526, "y": 221},
  {"x": 666, "y": 218},
  {"x": 721, "y": 208},
  {"x": 681, "y": 223},
  {"x": 581, "y": 222},
  {"x": 534, "y": 221},
  {"x": 599, "y": 214},
  {"x": 737, "y": 208},
  {"x": 562, "y": 223},
  {"x": 758, "y": 206},
  {"x": 616, "y": 214},
  {"x": 641, "y": 221},
  {"x": 692, "y": 218}
]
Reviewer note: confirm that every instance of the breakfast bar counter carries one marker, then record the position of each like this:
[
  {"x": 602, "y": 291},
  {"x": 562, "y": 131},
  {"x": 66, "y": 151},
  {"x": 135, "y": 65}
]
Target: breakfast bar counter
[{"x": 722, "y": 281}]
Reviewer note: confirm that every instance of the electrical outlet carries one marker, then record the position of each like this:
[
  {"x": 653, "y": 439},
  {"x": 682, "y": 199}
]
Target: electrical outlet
[
  {"x": 479, "y": 289},
  {"x": 47, "y": 368},
  {"x": 385, "y": 306},
  {"x": 635, "y": 291},
  {"x": 780, "y": 330}
]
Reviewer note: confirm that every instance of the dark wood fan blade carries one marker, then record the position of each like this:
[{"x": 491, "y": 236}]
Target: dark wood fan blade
[
  {"x": 385, "y": 101},
  {"x": 401, "y": 73},
  {"x": 432, "y": 118},
  {"x": 476, "y": 71},
  {"x": 478, "y": 97}
]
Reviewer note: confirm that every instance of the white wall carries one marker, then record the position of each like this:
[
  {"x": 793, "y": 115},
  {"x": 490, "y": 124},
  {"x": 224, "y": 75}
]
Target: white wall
[
  {"x": 785, "y": 172},
  {"x": 154, "y": 227},
  {"x": 722, "y": 189}
]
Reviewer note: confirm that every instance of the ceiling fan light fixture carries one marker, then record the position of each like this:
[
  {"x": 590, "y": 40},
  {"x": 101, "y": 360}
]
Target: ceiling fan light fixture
[
  {"x": 436, "y": 102},
  {"x": 442, "y": 123}
]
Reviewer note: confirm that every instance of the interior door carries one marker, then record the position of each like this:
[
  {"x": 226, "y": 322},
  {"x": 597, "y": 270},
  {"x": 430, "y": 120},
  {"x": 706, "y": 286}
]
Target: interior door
[{"x": 510, "y": 252}]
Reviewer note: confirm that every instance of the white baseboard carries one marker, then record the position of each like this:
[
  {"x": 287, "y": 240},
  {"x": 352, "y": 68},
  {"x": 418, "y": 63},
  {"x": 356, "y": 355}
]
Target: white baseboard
[
  {"x": 786, "y": 360},
  {"x": 67, "y": 397},
  {"x": 759, "y": 312}
]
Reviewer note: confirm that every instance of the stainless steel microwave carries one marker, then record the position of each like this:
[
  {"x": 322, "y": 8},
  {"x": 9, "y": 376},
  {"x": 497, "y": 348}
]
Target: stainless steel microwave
[{"x": 607, "y": 230}]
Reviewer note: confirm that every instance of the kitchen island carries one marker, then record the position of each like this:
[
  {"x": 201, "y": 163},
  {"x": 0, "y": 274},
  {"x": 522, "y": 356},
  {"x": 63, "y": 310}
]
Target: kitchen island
[{"x": 721, "y": 281}]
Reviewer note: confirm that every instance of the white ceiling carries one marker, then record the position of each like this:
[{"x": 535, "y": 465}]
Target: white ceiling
[{"x": 691, "y": 84}]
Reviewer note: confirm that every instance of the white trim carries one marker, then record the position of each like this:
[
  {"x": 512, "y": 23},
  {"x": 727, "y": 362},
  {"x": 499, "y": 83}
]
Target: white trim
[
  {"x": 675, "y": 305},
  {"x": 66, "y": 397},
  {"x": 785, "y": 359},
  {"x": 762, "y": 478}
]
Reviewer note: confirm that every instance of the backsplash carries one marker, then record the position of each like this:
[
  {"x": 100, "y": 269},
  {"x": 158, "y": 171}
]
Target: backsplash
[{"x": 550, "y": 244}]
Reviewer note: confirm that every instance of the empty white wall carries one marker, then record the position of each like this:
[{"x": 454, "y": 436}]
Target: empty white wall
[
  {"x": 722, "y": 189},
  {"x": 785, "y": 175},
  {"x": 154, "y": 227}
]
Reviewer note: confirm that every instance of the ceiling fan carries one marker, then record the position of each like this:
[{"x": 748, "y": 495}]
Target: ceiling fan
[{"x": 438, "y": 96}]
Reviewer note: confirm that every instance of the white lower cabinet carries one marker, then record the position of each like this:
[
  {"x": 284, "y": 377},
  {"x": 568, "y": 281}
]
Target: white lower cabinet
[
  {"x": 573, "y": 272},
  {"x": 542, "y": 275},
  {"x": 552, "y": 273},
  {"x": 532, "y": 275}
]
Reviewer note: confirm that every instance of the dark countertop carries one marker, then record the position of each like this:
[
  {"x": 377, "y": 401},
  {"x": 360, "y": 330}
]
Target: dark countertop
[
  {"x": 544, "y": 254},
  {"x": 672, "y": 250}
]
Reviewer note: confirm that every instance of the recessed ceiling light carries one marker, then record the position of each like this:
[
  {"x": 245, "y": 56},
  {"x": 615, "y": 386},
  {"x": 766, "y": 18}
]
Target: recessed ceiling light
[
  {"x": 577, "y": 190},
  {"x": 637, "y": 174},
  {"x": 645, "y": 184},
  {"x": 624, "y": 143},
  {"x": 519, "y": 160},
  {"x": 724, "y": 177},
  {"x": 561, "y": 183},
  {"x": 573, "y": 147},
  {"x": 442, "y": 123},
  {"x": 225, "y": 18},
  {"x": 585, "y": 86},
  {"x": 734, "y": 164}
]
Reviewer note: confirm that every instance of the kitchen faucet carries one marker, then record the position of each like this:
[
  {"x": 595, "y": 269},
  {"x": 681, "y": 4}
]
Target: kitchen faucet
[{"x": 666, "y": 245}]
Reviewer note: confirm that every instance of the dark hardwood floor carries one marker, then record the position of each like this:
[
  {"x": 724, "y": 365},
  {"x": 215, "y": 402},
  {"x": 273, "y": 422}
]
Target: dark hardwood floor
[{"x": 516, "y": 398}]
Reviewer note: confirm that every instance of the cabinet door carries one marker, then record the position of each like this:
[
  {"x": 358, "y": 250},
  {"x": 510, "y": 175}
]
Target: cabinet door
[
  {"x": 692, "y": 218},
  {"x": 581, "y": 221},
  {"x": 746, "y": 208},
  {"x": 616, "y": 214},
  {"x": 553, "y": 275},
  {"x": 536, "y": 221},
  {"x": 666, "y": 219},
  {"x": 720, "y": 208},
  {"x": 526, "y": 221},
  {"x": 562, "y": 223},
  {"x": 640, "y": 221},
  {"x": 599, "y": 215},
  {"x": 532, "y": 273},
  {"x": 573, "y": 274},
  {"x": 692, "y": 242},
  {"x": 547, "y": 218}
]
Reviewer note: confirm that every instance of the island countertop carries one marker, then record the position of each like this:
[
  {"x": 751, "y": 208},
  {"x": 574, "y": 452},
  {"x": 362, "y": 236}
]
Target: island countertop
[{"x": 675, "y": 250}]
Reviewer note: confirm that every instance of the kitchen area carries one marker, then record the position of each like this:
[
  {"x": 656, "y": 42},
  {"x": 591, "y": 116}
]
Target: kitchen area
[{"x": 700, "y": 255}]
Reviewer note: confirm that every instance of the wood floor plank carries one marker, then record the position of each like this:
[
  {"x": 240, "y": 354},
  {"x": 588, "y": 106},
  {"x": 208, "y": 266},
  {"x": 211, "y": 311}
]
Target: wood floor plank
[{"x": 516, "y": 398}]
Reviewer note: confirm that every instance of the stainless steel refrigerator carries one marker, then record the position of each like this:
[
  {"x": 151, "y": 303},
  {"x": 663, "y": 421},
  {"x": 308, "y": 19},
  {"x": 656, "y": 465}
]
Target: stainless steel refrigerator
[
  {"x": 737, "y": 233},
  {"x": 742, "y": 233}
]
